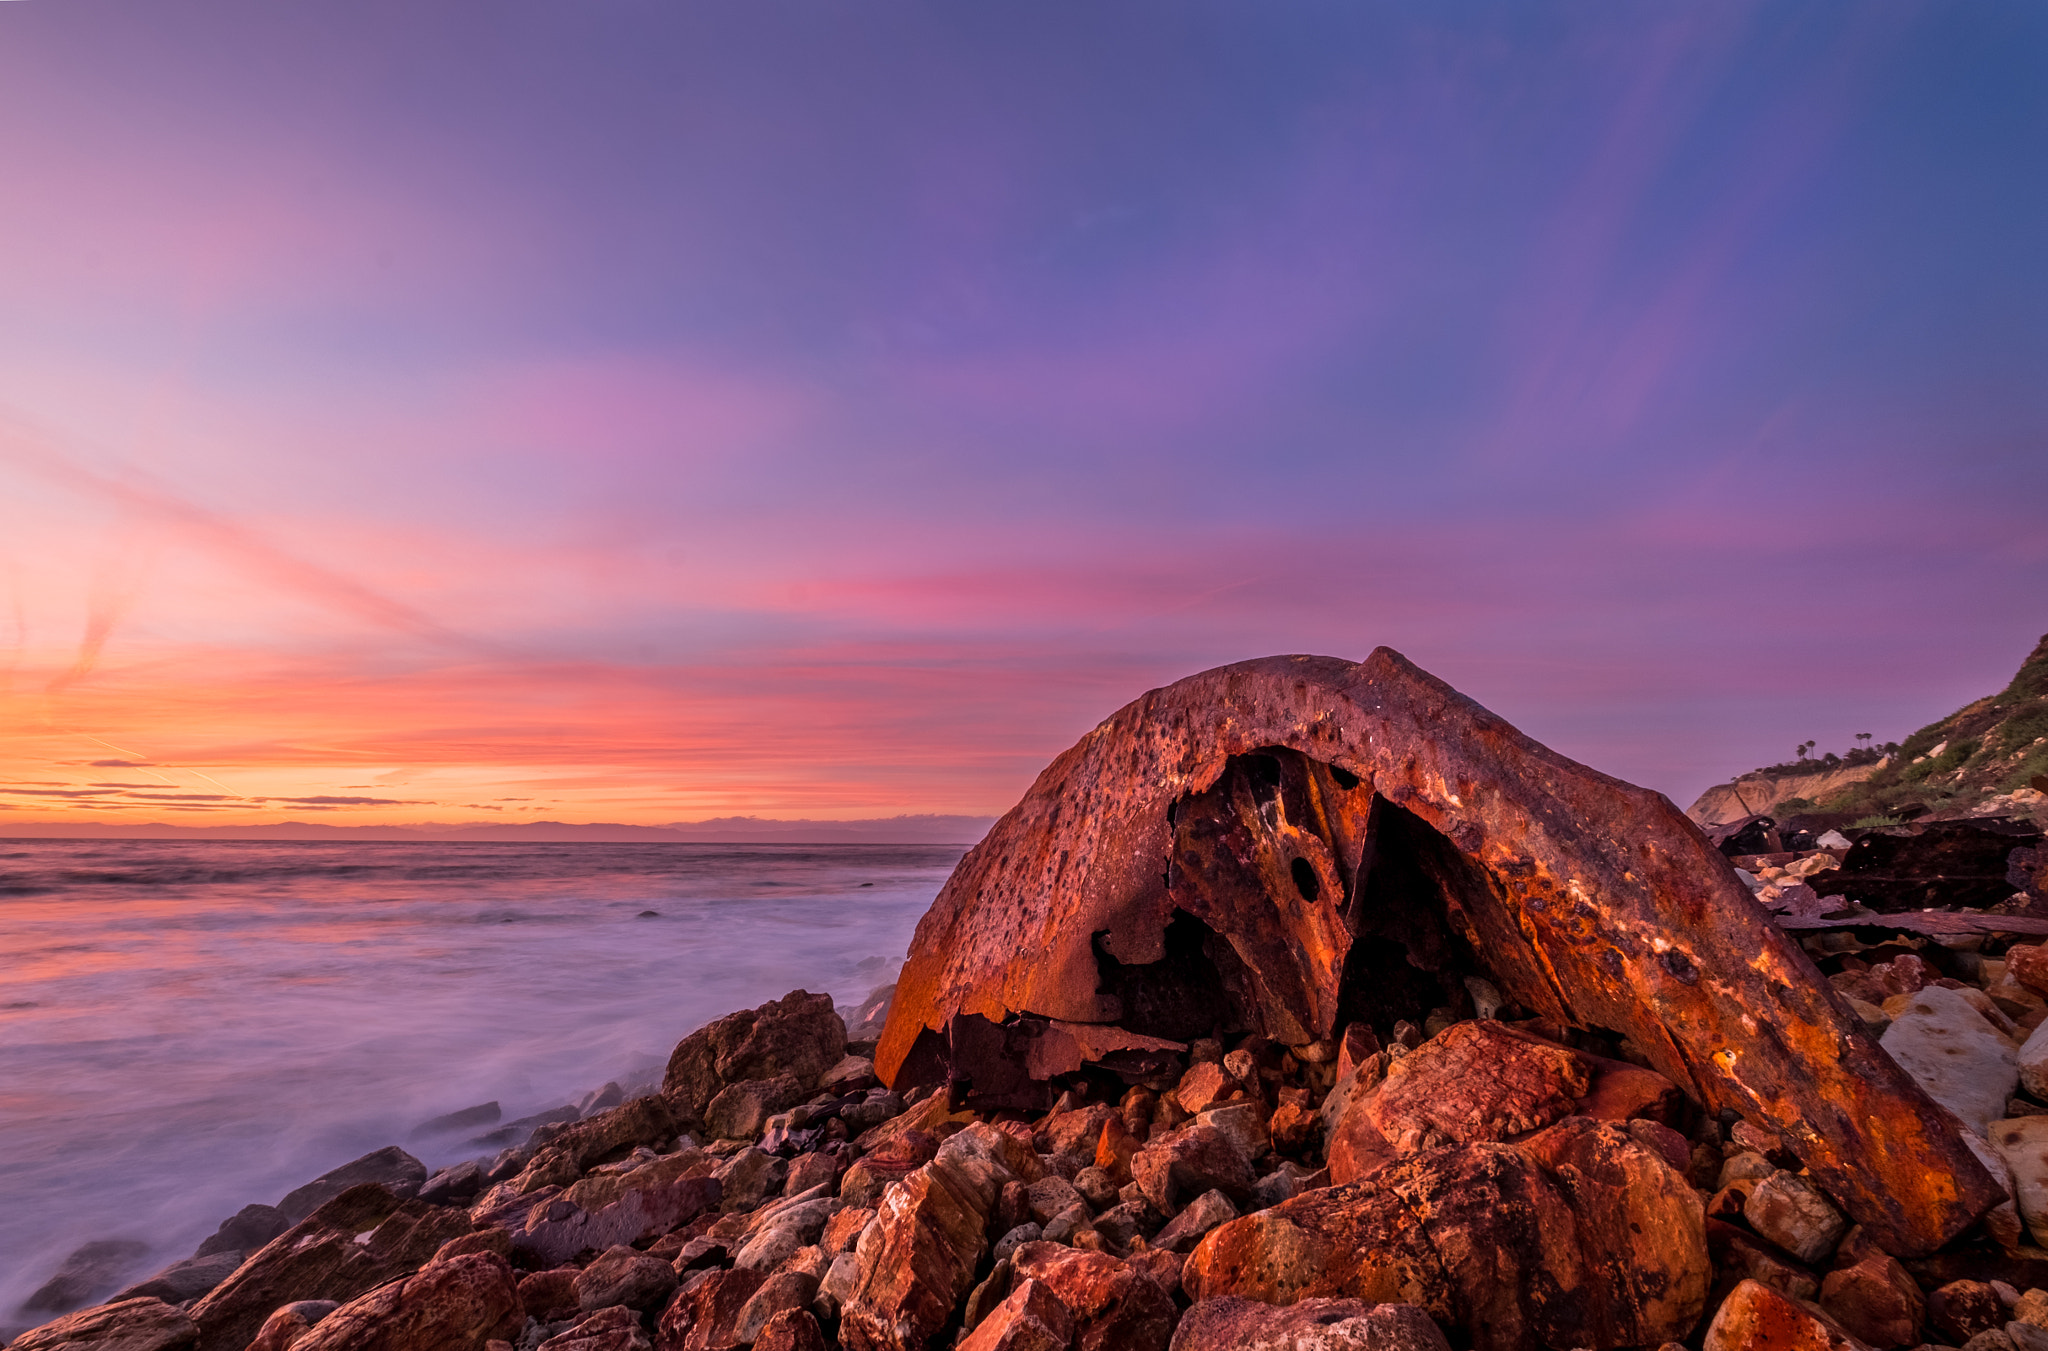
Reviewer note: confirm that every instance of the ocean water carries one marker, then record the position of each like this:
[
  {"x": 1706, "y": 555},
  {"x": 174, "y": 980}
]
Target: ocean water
[{"x": 188, "y": 1027}]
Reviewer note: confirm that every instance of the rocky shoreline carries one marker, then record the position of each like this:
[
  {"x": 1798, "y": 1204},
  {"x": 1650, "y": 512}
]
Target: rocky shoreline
[{"x": 1300, "y": 1006}]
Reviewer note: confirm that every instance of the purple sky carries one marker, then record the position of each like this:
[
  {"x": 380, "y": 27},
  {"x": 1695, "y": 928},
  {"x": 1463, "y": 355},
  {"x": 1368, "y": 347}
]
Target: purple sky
[{"x": 642, "y": 411}]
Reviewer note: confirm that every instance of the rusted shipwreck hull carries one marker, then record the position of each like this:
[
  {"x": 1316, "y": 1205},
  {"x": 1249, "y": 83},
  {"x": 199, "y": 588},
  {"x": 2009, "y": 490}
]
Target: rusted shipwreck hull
[{"x": 1292, "y": 844}]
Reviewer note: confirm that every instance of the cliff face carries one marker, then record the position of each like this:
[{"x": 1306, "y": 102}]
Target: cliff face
[{"x": 1762, "y": 794}]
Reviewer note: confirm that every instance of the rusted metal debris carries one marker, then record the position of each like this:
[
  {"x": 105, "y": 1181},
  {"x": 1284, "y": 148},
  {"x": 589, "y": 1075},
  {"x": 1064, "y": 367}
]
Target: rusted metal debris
[{"x": 1293, "y": 844}]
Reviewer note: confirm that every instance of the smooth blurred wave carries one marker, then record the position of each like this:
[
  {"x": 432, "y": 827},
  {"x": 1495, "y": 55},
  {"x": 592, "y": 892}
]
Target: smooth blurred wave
[{"x": 187, "y": 1027}]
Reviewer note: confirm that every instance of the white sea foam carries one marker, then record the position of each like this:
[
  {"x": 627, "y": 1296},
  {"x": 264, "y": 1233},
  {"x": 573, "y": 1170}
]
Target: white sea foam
[{"x": 189, "y": 1027}]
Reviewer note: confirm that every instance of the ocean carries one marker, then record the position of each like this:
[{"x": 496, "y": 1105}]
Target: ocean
[{"x": 188, "y": 1027}]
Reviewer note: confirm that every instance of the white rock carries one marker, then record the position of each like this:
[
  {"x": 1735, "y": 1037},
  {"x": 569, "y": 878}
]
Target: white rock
[
  {"x": 2023, "y": 1143},
  {"x": 1958, "y": 1058},
  {"x": 2034, "y": 1062},
  {"x": 1833, "y": 839}
]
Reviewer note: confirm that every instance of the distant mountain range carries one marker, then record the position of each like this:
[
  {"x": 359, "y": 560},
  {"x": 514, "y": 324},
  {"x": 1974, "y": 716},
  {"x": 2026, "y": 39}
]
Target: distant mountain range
[{"x": 722, "y": 830}]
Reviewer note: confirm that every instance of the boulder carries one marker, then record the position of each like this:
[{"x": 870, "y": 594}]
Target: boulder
[
  {"x": 565, "y": 1157},
  {"x": 390, "y": 1167},
  {"x": 1877, "y": 1300},
  {"x": 1579, "y": 898},
  {"x": 1962, "y": 1310},
  {"x": 1475, "y": 1081},
  {"x": 550, "y": 1295},
  {"x": 741, "y": 1110},
  {"x": 1049, "y": 1196},
  {"x": 559, "y": 1229},
  {"x": 798, "y": 1035},
  {"x": 791, "y": 1330},
  {"x": 141, "y": 1324},
  {"x": 789, "y": 1227},
  {"x": 919, "y": 1256},
  {"x": 842, "y": 1230},
  {"x": 352, "y": 1244},
  {"x": 245, "y": 1231},
  {"x": 1189, "y": 1161},
  {"x": 1961, "y": 1061},
  {"x": 2033, "y": 1063},
  {"x": 782, "y": 1292},
  {"x": 87, "y": 1272},
  {"x": 454, "y": 1185},
  {"x": 184, "y": 1281},
  {"x": 1201, "y": 1215},
  {"x": 750, "y": 1177},
  {"x": 1579, "y": 1236},
  {"x": 1115, "y": 1306},
  {"x": 2022, "y": 1142},
  {"x": 1741, "y": 1256},
  {"x": 1074, "y": 1132},
  {"x": 1786, "y": 1209},
  {"x": 1229, "y": 1324},
  {"x": 705, "y": 1313},
  {"x": 1756, "y": 1318},
  {"x": 614, "y": 1329},
  {"x": 624, "y": 1275},
  {"x": 285, "y": 1326},
  {"x": 1030, "y": 1318},
  {"x": 445, "y": 1306}
]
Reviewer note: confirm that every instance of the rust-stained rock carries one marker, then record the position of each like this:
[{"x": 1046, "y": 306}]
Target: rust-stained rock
[
  {"x": 705, "y": 1313},
  {"x": 456, "y": 1305},
  {"x": 1116, "y": 1306},
  {"x": 1581, "y": 1236},
  {"x": 1757, "y": 1318},
  {"x": 791, "y": 1330},
  {"x": 139, "y": 1324},
  {"x": 1312, "y": 1325},
  {"x": 1293, "y": 844},
  {"x": 1030, "y": 1318},
  {"x": 1475, "y": 1081},
  {"x": 1877, "y": 1300}
]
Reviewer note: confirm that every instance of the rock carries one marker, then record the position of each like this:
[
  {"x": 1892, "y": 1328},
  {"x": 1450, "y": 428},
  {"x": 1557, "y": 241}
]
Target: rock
[
  {"x": 1096, "y": 1187},
  {"x": 467, "y": 1119},
  {"x": 186, "y": 1280},
  {"x": 791, "y": 1330},
  {"x": 1740, "y": 1255},
  {"x": 1475, "y": 1081},
  {"x": 1075, "y": 1131},
  {"x": 843, "y": 1229},
  {"x": 1579, "y": 1236},
  {"x": 1756, "y": 1318},
  {"x": 1230, "y": 1324},
  {"x": 741, "y": 1110},
  {"x": 1994, "y": 1340},
  {"x": 245, "y": 1231},
  {"x": 1962, "y": 1063},
  {"x": 558, "y": 1229},
  {"x": 87, "y": 1272},
  {"x": 613, "y": 1329},
  {"x": 454, "y": 1185},
  {"x": 2022, "y": 1142},
  {"x": 919, "y": 1256},
  {"x": 623, "y": 1275},
  {"x": 750, "y": 1177},
  {"x": 798, "y": 1035},
  {"x": 142, "y": 1324},
  {"x": 1115, "y": 1306},
  {"x": 1049, "y": 1196},
  {"x": 2026, "y": 1337},
  {"x": 780, "y": 1293},
  {"x": 1031, "y": 1318},
  {"x": 354, "y": 1243},
  {"x": 1877, "y": 1300},
  {"x": 1785, "y": 1209},
  {"x": 391, "y": 1167},
  {"x": 1255, "y": 783},
  {"x": 446, "y": 1306},
  {"x": 1203, "y": 1086},
  {"x": 817, "y": 1169},
  {"x": 1068, "y": 1225},
  {"x": 488, "y": 1239},
  {"x": 1962, "y": 1310},
  {"x": 565, "y": 1156},
  {"x": 287, "y": 1325},
  {"x": 1194, "y": 1159},
  {"x": 1748, "y": 1166},
  {"x": 705, "y": 1314},
  {"x": 790, "y": 1227},
  {"x": 549, "y": 1295},
  {"x": 2033, "y": 1063},
  {"x": 1016, "y": 1238},
  {"x": 1201, "y": 1215},
  {"x": 1244, "y": 1122}
]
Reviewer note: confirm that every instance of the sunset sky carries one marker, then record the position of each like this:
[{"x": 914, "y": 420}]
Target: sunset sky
[{"x": 642, "y": 412}]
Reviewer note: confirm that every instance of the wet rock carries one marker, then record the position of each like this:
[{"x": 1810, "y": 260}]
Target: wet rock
[
  {"x": 1201, "y": 1215},
  {"x": 1031, "y": 1318},
  {"x": 613, "y": 1329},
  {"x": 354, "y": 1243},
  {"x": 1194, "y": 1159},
  {"x": 798, "y": 1035},
  {"x": 1756, "y": 1318},
  {"x": 705, "y": 1314},
  {"x": 1877, "y": 1300},
  {"x": 1115, "y": 1306},
  {"x": 245, "y": 1231},
  {"x": 286, "y": 1326},
  {"x": 446, "y": 1306},
  {"x": 791, "y": 1330},
  {"x": 186, "y": 1280},
  {"x": 87, "y": 1272},
  {"x": 624, "y": 1275},
  {"x": 128, "y": 1325},
  {"x": 391, "y": 1168},
  {"x": 565, "y": 1156},
  {"x": 1586, "y": 903},
  {"x": 1948, "y": 1048},
  {"x": 1785, "y": 1209},
  {"x": 1230, "y": 1324},
  {"x": 782, "y": 1292},
  {"x": 919, "y": 1256},
  {"x": 1579, "y": 1236}
]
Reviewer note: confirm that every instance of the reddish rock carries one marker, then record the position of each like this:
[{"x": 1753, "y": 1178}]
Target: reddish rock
[
  {"x": 1230, "y": 1324},
  {"x": 558, "y": 1229},
  {"x": 2028, "y": 965},
  {"x": 1187, "y": 1162},
  {"x": 919, "y": 1256},
  {"x": 1074, "y": 1132},
  {"x": 1786, "y": 1209},
  {"x": 705, "y": 1313},
  {"x": 1031, "y": 1318},
  {"x": 798, "y": 1035},
  {"x": 354, "y": 1243},
  {"x": 1294, "y": 1127},
  {"x": 1757, "y": 1318},
  {"x": 1205, "y": 1085},
  {"x": 1200, "y": 1215},
  {"x": 741, "y": 1110},
  {"x": 1876, "y": 1300},
  {"x": 1474, "y": 1081},
  {"x": 1741, "y": 1256},
  {"x": 549, "y": 1296},
  {"x": 791, "y": 1330},
  {"x": 1579, "y": 1236},
  {"x": 447, "y": 1306},
  {"x": 782, "y": 1292},
  {"x": 843, "y": 1229},
  {"x": 140, "y": 1324},
  {"x": 1163, "y": 1266},
  {"x": 625, "y": 1276},
  {"x": 1115, "y": 1148},
  {"x": 1115, "y": 1306},
  {"x": 614, "y": 1329},
  {"x": 286, "y": 1326},
  {"x": 1586, "y": 901},
  {"x": 1625, "y": 1092},
  {"x": 1961, "y": 1310}
]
